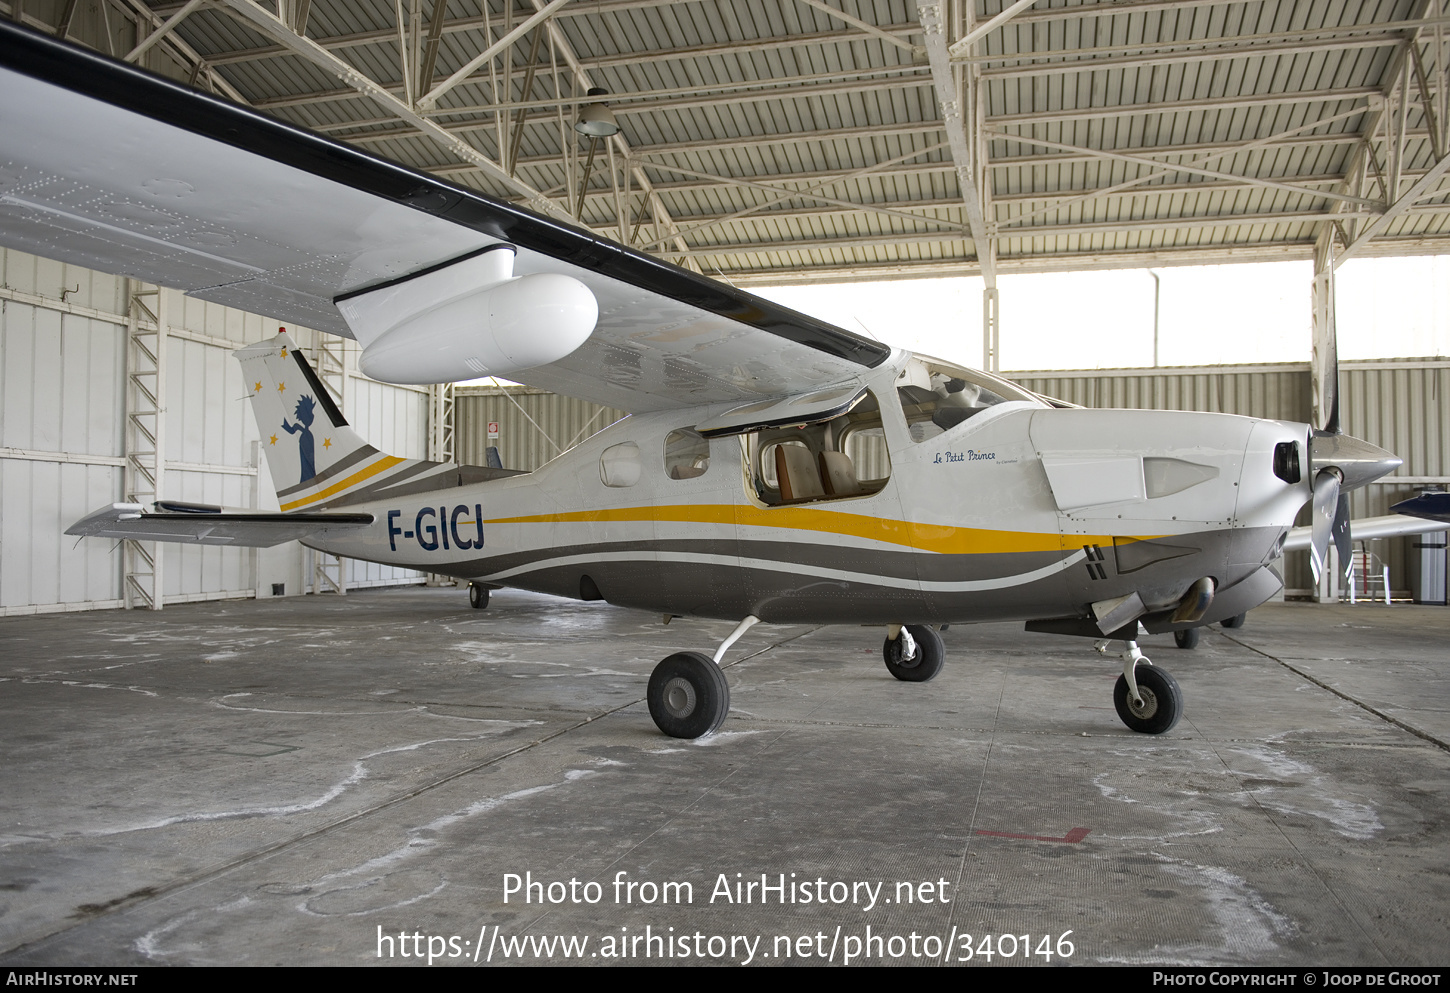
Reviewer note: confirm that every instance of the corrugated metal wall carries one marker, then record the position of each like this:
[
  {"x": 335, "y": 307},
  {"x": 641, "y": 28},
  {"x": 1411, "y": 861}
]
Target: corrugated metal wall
[
  {"x": 62, "y": 444},
  {"x": 1396, "y": 404},
  {"x": 534, "y": 426}
]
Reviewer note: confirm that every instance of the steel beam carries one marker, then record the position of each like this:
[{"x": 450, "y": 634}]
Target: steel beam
[
  {"x": 171, "y": 22},
  {"x": 964, "y": 44},
  {"x": 271, "y": 26},
  {"x": 860, "y": 25},
  {"x": 429, "y": 100},
  {"x": 1184, "y": 106},
  {"x": 948, "y": 94},
  {"x": 1187, "y": 167}
]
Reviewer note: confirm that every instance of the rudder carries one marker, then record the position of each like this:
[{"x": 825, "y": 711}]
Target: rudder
[{"x": 305, "y": 438}]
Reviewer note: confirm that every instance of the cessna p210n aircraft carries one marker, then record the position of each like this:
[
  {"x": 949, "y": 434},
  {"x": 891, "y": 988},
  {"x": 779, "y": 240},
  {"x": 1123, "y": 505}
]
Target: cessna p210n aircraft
[{"x": 775, "y": 468}]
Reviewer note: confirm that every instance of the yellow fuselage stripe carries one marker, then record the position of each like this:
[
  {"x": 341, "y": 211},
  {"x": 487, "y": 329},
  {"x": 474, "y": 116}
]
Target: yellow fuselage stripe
[
  {"x": 940, "y": 538},
  {"x": 367, "y": 472}
]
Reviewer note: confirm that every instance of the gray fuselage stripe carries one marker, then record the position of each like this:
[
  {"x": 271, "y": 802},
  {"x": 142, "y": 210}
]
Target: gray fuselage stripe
[{"x": 766, "y": 565}]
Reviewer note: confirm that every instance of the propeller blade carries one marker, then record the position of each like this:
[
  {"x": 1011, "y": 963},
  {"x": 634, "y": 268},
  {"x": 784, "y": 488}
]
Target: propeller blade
[
  {"x": 1324, "y": 514},
  {"x": 1343, "y": 542}
]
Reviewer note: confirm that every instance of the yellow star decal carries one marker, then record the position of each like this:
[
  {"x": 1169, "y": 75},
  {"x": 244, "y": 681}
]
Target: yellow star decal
[
  {"x": 281, "y": 387},
  {"x": 259, "y": 388},
  {"x": 273, "y": 441},
  {"x": 284, "y": 351},
  {"x": 326, "y": 442}
]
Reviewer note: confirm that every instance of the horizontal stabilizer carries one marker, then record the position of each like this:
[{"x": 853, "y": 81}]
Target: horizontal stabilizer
[{"x": 206, "y": 525}]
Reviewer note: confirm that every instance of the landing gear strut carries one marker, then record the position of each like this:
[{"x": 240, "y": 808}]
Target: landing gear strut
[{"x": 688, "y": 695}]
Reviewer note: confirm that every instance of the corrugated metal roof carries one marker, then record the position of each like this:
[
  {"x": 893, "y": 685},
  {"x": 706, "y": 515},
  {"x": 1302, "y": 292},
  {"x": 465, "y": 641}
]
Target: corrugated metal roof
[{"x": 782, "y": 140}]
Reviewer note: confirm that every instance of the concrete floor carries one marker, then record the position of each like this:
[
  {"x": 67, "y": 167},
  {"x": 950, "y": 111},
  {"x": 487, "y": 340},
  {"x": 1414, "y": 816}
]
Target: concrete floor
[{"x": 283, "y": 781}]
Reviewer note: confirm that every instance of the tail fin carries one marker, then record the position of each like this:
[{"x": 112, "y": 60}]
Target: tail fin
[{"x": 315, "y": 458}]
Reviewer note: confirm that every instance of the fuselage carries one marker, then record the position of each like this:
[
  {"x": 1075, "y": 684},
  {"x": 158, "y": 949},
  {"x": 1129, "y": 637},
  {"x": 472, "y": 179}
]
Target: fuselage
[{"x": 1019, "y": 510}]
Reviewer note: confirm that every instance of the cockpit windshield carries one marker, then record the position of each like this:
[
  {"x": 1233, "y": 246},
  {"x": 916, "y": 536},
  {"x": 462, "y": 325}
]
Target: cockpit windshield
[{"x": 936, "y": 396}]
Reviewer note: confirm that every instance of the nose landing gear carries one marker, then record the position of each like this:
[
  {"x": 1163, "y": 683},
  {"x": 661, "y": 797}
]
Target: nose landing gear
[
  {"x": 913, "y": 652},
  {"x": 1147, "y": 699}
]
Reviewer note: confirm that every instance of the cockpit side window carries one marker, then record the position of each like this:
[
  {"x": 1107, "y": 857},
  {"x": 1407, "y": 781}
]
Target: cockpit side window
[
  {"x": 842, "y": 457},
  {"x": 936, "y": 397}
]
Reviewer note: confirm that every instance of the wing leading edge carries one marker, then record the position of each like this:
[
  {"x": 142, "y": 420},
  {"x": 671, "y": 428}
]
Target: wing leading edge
[{"x": 107, "y": 166}]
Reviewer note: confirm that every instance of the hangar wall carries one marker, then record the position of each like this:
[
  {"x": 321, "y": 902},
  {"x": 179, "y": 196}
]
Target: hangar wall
[
  {"x": 62, "y": 437},
  {"x": 534, "y": 425}
]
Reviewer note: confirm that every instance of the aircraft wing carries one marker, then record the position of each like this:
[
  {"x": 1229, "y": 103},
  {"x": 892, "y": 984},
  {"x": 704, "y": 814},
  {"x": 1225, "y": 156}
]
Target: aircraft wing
[
  {"x": 107, "y": 166},
  {"x": 1389, "y": 526},
  {"x": 209, "y": 525}
]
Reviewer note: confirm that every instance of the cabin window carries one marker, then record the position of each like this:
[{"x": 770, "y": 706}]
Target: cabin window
[
  {"x": 832, "y": 460},
  {"x": 936, "y": 397},
  {"x": 687, "y": 455},
  {"x": 619, "y": 465}
]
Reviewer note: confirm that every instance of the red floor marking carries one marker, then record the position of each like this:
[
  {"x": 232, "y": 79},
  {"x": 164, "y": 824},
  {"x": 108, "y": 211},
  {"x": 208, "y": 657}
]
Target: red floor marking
[{"x": 1072, "y": 837}]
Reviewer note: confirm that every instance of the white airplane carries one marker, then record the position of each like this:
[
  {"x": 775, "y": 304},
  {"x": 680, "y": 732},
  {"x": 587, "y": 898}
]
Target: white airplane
[{"x": 775, "y": 468}]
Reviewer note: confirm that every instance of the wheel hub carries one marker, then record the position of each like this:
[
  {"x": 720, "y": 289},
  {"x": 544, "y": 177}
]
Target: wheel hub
[
  {"x": 1149, "y": 706},
  {"x": 679, "y": 697}
]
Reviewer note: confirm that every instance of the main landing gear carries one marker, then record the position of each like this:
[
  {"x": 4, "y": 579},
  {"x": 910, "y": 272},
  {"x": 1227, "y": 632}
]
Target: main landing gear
[
  {"x": 477, "y": 596},
  {"x": 1147, "y": 698},
  {"x": 688, "y": 695}
]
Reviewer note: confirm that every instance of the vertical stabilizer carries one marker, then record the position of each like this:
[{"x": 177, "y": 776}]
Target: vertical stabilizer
[{"x": 314, "y": 457}]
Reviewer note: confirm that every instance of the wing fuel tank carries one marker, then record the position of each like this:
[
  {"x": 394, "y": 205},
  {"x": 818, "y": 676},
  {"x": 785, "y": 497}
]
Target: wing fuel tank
[{"x": 468, "y": 318}]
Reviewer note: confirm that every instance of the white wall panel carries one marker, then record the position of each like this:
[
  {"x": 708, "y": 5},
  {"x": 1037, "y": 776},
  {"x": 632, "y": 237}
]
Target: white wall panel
[
  {"x": 60, "y": 406},
  {"x": 62, "y": 438}
]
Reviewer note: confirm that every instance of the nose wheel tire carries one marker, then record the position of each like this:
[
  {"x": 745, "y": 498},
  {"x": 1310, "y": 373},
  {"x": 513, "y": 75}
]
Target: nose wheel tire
[
  {"x": 1236, "y": 621},
  {"x": 923, "y": 664},
  {"x": 1186, "y": 639},
  {"x": 477, "y": 596},
  {"x": 688, "y": 695},
  {"x": 1162, "y": 701}
]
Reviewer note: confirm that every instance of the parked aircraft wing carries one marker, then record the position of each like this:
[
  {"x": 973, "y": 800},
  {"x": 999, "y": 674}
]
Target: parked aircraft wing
[
  {"x": 1389, "y": 526},
  {"x": 209, "y": 525},
  {"x": 108, "y": 166}
]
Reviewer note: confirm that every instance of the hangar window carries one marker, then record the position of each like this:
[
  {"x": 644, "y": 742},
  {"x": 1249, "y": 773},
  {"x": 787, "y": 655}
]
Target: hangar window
[
  {"x": 834, "y": 459},
  {"x": 936, "y": 397},
  {"x": 687, "y": 454}
]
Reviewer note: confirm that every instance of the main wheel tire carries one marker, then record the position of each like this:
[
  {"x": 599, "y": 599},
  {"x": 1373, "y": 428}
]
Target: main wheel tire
[
  {"x": 477, "y": 596},
  {"x": 1187, "y": 638},
  {"x": 1236, "y": 621},
  {"x": 1162, "y": 701},
  {"x": 927, "y": 661},
  {"x": 688, "y": 695}
]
